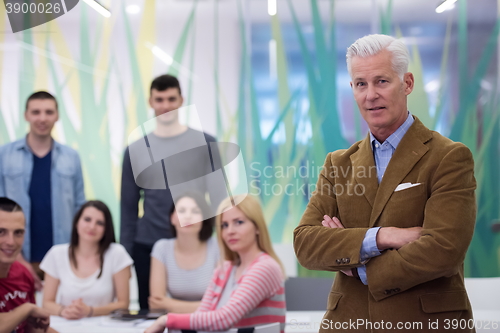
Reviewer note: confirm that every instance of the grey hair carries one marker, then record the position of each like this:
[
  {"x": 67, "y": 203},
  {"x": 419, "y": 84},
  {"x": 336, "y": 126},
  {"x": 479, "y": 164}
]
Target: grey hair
[{"x": 371, "y": 45}]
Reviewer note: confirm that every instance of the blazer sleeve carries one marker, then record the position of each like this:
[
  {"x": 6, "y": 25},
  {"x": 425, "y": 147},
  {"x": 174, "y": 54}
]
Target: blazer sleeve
[
  {"x": 321, "y": 248},
  {"x": 448, "y": 226}
]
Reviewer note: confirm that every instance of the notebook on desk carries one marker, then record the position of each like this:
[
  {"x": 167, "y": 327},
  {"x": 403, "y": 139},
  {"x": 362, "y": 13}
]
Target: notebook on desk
[{"x": 125, "y": 314}]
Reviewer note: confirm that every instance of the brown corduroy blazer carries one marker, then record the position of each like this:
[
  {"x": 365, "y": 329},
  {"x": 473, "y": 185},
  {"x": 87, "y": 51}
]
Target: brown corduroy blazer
[{"x": 422, "y": 282}]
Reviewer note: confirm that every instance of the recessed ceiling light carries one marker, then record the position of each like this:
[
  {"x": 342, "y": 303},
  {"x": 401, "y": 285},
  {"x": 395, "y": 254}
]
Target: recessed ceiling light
[{"x": 98, "y": 7}]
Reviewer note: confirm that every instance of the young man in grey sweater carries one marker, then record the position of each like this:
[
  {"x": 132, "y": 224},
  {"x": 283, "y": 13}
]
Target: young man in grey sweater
[{"x": 158, "y": 167}]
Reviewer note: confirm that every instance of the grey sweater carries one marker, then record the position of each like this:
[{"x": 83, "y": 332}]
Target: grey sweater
[{"x": 159, "y": 169}]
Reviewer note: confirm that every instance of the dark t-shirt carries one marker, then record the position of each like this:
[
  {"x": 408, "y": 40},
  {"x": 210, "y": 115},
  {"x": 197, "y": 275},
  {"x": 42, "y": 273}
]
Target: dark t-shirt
[
  {"x": 41, "y": 207},
  {"x": 16, "y": 289}
]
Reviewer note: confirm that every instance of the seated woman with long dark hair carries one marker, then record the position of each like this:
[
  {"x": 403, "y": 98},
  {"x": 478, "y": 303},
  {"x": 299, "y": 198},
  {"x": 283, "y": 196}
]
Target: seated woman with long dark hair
[
  {"x": 248, "y": 290},
  {"x": 90, "y": 275},
  {"x": 181, "y": 267}
]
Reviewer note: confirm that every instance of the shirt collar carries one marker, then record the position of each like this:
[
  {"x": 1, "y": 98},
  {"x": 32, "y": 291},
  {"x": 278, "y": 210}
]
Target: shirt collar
[
  {"x": 395, "y": 138},
  {"x": 23, "y": 144}
]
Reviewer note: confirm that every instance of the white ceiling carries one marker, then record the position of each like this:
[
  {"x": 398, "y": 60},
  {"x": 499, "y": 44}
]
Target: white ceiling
[
  {"x": 363, "y": 10},
  {"x": 346, "y": 11}
]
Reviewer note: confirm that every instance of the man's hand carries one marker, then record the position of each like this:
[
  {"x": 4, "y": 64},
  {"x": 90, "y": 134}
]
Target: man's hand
[
  {"x": 38, "y": 323},
  {"x": 38, "y": 320},
  {"x": 38, "y": 282},
  {"x": 387, "y": 237},
  {"x": 331, "y": 222},
  {"x": 334, "y": 223},
  {"x": 158, "y": 326},
  {"x": 395, "y": 238}
]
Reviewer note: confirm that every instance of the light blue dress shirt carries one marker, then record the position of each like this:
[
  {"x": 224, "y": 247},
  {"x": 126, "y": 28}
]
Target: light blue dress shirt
[{"x": 382, "y": 153}]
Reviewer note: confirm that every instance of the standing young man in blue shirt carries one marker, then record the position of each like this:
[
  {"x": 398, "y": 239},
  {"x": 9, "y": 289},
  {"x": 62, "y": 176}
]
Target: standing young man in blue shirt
[{"x": 45, "y": 178}]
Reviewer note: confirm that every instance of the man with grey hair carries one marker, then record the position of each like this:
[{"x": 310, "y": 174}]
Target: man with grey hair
[{"x": 400, "y": 242}]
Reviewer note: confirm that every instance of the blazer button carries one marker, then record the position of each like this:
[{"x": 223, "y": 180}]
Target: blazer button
[
  {"x": 346, "y": 260},
  {"x": 397, "y": 290},
  {"x": 338, "y": 261},
  {"x": 387, "y": 292}
]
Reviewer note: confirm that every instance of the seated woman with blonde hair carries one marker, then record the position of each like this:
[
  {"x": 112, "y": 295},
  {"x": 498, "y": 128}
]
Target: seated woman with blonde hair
[
  {"x": 248, "y": 289},
  {"x": 90, "y": 275}
]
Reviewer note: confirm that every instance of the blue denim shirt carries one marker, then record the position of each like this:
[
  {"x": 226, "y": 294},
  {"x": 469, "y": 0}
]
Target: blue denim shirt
[{"x": 16, "y": 166}]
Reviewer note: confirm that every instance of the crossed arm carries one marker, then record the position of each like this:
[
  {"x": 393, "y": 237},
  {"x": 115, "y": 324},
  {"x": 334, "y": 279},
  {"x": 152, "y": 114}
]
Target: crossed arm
[
  {"x": 408, "y": 260},
  {"x": 158, "y": 289},
  {"x": 387, "y": 238}
]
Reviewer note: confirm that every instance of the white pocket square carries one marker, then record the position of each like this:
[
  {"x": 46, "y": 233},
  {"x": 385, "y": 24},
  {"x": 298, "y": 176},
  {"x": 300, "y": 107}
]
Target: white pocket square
[{"x": 404, "y": 186}]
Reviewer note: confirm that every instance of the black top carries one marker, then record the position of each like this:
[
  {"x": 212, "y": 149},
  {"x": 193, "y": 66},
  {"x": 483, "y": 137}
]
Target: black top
[{"x": 41, "y": 207}]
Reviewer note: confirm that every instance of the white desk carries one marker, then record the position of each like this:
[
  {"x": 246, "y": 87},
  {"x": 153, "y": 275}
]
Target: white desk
[
  {"x": 108, "y": 325},
  {"x": 310, "y": 321},
  {"x": 296, "y": 322},
  {"x": 303, "y": 321},
  {"x": 98, "y": 325}
]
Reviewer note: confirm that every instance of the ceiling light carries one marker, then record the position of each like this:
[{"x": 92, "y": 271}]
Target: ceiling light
[
  {"x": 445, "y": 5},
  {"x": 98, "y": 7},
  {"x": 167, "y": 59},
  {"x": 160, "y": 54},
  {"x": 272, "y": 7}
]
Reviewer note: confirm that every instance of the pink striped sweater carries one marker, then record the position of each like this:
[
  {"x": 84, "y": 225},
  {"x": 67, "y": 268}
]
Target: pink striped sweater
[{"x": 259, "y": 298}]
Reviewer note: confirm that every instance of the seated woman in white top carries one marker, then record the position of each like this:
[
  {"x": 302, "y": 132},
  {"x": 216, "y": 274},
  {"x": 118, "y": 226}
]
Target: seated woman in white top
[
  {"x": 90, "y": 275},
  {"x": 182, "y": 267}
]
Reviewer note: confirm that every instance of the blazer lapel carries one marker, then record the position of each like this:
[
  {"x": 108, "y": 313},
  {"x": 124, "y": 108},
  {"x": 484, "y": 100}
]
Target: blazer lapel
[
  {"x": 364, "y": 169},
  {"x": 409, "y": 151}
]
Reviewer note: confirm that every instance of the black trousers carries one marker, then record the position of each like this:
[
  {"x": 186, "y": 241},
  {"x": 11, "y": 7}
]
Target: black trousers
[{"x": 142, "y": 262}]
